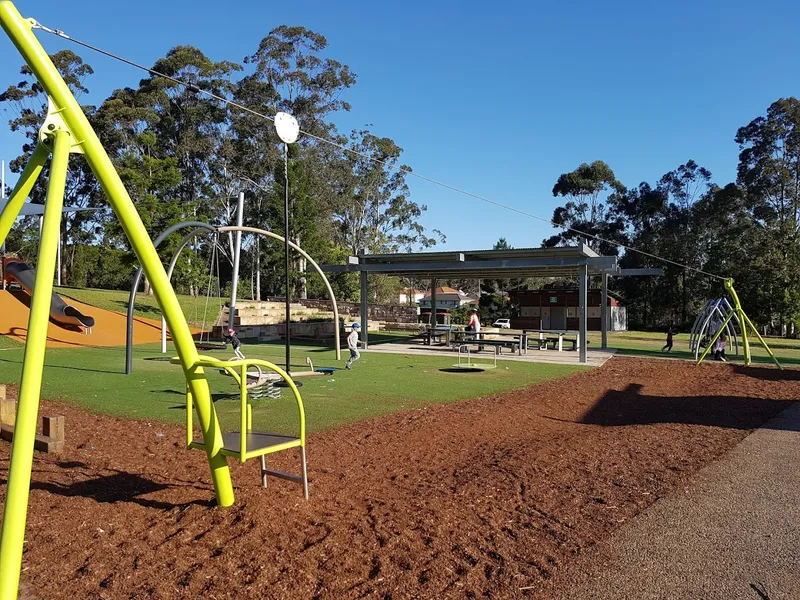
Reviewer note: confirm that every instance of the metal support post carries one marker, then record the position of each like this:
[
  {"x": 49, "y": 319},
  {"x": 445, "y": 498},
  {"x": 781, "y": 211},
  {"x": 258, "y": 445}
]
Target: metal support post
[
  {"x": 433, "y": 309},
  {"x": 583, "y": 275},
  {"x": 364, "y": 309},
  {"x": 237, "y": 250},
  {"x": 21, "y": 464},
  {"x": 604, "y": 311}
]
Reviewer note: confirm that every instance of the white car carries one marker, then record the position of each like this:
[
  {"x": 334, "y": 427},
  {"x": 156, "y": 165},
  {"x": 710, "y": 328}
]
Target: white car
[{"x": 502, "y": 323}]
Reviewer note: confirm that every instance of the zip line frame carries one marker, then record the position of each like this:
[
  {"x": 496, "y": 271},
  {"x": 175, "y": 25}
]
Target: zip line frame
[{"x": 67, "y": 130}]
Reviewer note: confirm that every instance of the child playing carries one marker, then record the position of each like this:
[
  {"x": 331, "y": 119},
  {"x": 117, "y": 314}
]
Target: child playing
[
  {"x": 234, "y": 341},
  {"x": 668, "y": 345},
  {"x": 719, "y": 348},
  {"x": 352, "y": 344}
]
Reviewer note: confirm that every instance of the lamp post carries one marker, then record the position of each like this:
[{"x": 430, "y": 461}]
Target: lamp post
[{"x": 288, "y": 129}]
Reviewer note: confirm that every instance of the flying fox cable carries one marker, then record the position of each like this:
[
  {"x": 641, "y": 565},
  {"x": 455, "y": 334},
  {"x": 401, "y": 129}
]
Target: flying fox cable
[{"x": 193, "y": 87}]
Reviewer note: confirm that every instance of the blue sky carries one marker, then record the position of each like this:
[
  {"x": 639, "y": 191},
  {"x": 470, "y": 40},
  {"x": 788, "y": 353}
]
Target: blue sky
[{"x": 498, "y": 99}]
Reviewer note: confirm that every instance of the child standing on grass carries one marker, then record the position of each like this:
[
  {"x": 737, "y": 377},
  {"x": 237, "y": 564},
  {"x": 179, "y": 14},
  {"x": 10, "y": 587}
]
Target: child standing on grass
[
  {"x": 234, "y": 341},
  {"x": 352, "y": 344},
  {"x": 668, "y": 345}
]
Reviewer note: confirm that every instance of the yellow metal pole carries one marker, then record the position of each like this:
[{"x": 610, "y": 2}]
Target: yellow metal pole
[
  {"x": 763, "y": 343},
  {"x": 21, "y": 34},
  {"x": 737, "y": 307},
  {"x": 25, "y": 184},
  {"x": 19, "y": 470},
  {"x": 716, "y": 336}
]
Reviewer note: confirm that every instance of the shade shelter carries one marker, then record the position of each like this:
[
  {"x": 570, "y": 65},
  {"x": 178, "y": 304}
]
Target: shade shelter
[{"x": 579, "y": 262}]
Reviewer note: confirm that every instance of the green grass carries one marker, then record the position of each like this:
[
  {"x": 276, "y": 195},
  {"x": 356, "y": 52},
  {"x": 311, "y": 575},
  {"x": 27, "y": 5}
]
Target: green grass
[
  {"x": 145, "y": 306},
  {"x": 644, "y": 344},
  {"x": 378, "y": 384}
]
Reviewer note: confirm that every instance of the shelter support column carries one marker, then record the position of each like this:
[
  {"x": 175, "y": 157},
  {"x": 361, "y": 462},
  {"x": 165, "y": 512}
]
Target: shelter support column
[
  {"x": 364, "y": 309},
  {"x": 583, "y": 273},
  {"x": 434, "y": 282},
  {"x": 604, "y": 311}
]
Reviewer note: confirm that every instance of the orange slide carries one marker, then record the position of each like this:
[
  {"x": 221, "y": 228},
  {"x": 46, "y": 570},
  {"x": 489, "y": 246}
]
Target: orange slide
[{"x": 108, "y": 326}]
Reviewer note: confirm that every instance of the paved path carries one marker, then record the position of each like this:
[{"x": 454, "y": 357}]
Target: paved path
[
  {"x": 595, "y": 358},
  {"x": 734, "y": 532}
]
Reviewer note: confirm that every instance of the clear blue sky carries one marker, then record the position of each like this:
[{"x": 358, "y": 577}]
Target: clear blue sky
[{"x": 495, "y": 98}]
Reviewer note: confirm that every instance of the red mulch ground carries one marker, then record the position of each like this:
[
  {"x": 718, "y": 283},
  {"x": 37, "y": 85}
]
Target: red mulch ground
[{"x": 483, "y": 498}]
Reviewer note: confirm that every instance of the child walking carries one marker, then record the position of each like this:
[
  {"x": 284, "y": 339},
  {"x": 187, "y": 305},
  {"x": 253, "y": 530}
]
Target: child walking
[
  {"x": 352, "y": 344},
  {"x": 234, "y": 341},
  {"x": 668, "y": 345}
]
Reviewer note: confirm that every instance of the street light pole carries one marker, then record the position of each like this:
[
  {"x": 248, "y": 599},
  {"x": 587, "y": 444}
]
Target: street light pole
[{"x": 288, "y": 130}]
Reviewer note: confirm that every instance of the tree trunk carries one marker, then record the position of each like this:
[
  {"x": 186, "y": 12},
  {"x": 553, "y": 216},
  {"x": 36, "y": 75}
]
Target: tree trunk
[{"x": 258, "y": 268}]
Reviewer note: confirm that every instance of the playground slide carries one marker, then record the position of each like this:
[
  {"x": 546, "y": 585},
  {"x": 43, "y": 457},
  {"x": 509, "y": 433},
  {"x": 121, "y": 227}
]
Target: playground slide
[{"x": 60, "y": 311}]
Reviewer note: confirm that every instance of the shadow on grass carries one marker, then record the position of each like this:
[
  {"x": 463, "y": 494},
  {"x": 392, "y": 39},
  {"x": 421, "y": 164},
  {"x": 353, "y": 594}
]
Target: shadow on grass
[
  {"x": 686, "y": 355},
  {"x": 214, "y": 396},
  {"x": 631, "y": 407},
  {"x": 52, "y": 366},
  {"x": 120, "y": 487}
]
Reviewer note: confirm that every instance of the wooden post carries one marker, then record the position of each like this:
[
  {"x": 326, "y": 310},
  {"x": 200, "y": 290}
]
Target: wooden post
[
  {"x": 8, "y": 408},
  {"x": 53, "y": 427}
]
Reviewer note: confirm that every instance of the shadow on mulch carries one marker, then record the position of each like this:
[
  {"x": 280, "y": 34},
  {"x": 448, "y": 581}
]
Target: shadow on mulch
[
  {"x": 119, "y": 487},
  {"x": 631, "y": 407},
  {"x": 768, "y": 374}
]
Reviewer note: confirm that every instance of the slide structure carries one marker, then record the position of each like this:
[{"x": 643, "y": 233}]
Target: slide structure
[{"x": 60, "y": 311}]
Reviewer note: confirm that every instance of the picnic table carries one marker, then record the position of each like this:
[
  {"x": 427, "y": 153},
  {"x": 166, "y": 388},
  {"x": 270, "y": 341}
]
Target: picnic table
[
  {"x": 432, "y": 333},
  {"x": 518, "y": 343},
  {"x": 554, "y": 336}
]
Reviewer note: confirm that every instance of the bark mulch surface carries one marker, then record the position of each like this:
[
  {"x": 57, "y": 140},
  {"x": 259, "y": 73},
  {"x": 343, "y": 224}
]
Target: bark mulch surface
[{"x": 484, "y": 498}]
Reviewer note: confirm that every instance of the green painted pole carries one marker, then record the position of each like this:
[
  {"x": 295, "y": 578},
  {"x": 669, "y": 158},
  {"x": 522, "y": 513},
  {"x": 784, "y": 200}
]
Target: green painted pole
[
  {"x": 19, "y": 469},
  {"x": 21, "y": 34},
  {"x": 22, "y": 190}
]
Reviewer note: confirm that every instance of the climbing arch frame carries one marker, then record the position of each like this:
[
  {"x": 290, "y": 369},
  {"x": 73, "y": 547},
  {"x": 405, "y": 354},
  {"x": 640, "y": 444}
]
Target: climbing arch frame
[
  {"x": 200, "y": 228},
  {"x": 744, "y": 322},
  {"x": 66, "y": 131}
]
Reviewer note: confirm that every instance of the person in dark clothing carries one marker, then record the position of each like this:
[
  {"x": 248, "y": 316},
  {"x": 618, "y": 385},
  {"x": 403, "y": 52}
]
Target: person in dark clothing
[
  {"x": 235, "y": 342},
  {"x": 668, "y": 345}
]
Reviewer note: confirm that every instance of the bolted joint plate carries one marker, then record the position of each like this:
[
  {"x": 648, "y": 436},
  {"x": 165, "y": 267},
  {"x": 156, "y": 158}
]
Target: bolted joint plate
[{"x": 54, "y": 122}]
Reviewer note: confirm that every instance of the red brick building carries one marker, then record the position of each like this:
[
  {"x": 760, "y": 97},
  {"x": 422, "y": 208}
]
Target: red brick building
[{"x": 558, "y": 309}]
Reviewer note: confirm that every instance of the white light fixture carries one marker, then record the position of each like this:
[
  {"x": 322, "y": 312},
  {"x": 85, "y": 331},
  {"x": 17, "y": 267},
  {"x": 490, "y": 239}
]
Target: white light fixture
[{"x": 287, "y": 127}]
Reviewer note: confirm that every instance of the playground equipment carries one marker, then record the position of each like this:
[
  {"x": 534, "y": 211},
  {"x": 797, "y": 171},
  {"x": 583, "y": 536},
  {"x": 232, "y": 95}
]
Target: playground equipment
[
  {"x": 61, "y": 312},
  {"x": 65, "y": 131},
  {"x": 470, "y": 367},
  {"x": 198, "y": 227},
  {"x": 734, "y": 312},
  {"x": 709, "y": 320},
  {"x": 246, "y": 443}
]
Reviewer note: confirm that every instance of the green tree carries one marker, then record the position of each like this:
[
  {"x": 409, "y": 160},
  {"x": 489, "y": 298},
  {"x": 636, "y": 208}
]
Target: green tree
[{"x": 584, "y": 209}]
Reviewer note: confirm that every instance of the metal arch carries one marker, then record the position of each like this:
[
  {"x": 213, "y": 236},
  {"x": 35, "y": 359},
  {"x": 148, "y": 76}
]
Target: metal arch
[
  {"x": 199, "y": 227},
  {"x": 305, "y": 255},
  {"x": 183, "y": 243},
  {"x": 720, "y": 307},
  {"x": 138, "y": 277}
]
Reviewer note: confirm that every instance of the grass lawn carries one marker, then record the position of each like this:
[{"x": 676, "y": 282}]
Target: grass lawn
[
  {"x": 644, "y": 344},
  {"x": 146, "y": 306},
  {"x": 378, "y": 384}
]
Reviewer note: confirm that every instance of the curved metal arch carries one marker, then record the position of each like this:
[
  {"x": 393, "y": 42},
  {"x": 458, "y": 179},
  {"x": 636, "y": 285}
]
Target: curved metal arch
[
  {"x": 138, "y": 277},
  {"x": 184, "y": 242},
  {"x": 199, "y": 227}
]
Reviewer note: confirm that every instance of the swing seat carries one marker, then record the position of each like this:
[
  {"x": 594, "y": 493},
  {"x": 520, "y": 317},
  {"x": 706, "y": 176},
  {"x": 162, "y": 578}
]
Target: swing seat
[
  {"x": 211, "y": 346},
  {"x": 247, "y": 443}
]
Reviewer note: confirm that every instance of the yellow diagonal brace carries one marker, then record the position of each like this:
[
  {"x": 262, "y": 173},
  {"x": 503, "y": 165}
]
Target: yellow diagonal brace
[
  {"x": 25, "y": 183},
  {"x": 19, "y": 469}
]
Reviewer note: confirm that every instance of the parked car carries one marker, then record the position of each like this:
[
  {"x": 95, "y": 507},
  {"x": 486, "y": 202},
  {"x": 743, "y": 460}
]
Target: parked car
[{"x": 502, "y": 323}]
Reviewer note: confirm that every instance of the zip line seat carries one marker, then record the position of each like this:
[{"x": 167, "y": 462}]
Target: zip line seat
[{"x": 253, "y": 443}]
